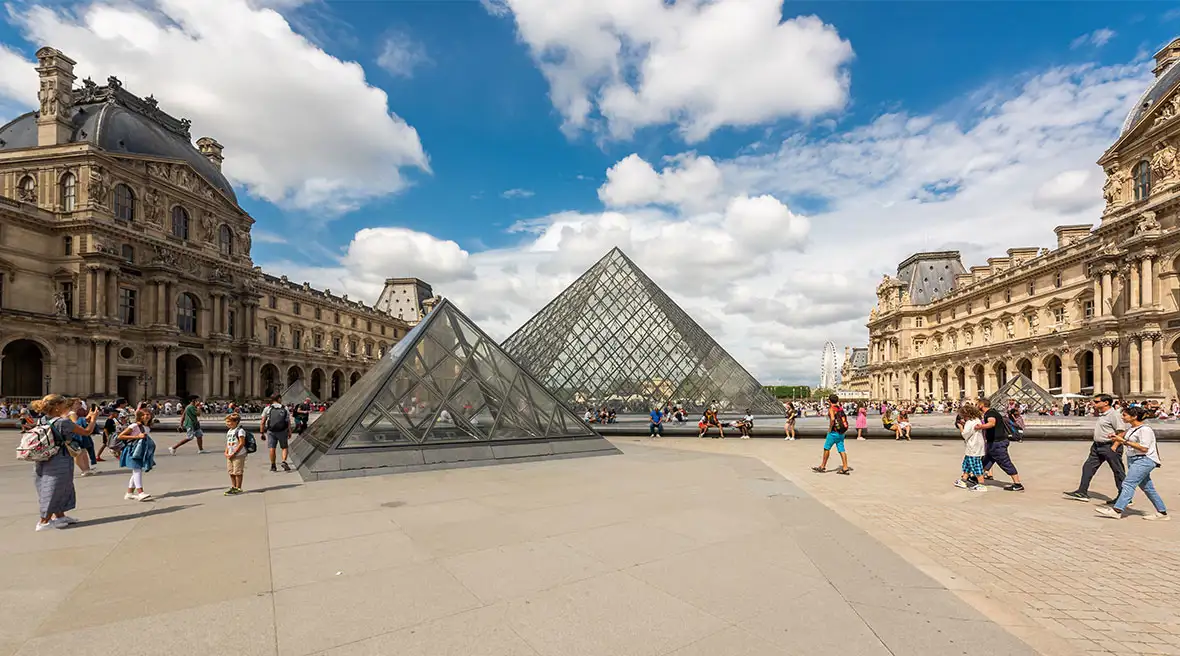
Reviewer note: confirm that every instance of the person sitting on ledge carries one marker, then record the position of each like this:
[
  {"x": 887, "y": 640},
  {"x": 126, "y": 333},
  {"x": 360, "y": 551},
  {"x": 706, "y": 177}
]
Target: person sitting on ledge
[
  {"x": 656, "y": 428},
  {"x": 745, "y": 424},
  {"x": 710, "y": 419}
]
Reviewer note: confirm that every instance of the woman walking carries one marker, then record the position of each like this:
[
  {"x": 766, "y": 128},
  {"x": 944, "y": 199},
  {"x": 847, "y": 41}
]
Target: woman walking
[
  {"x": 139, "y": 454},
  {"x": 862, "y": 421},
  {"x": 1142, "y": 458},
  {"x": 54, "y": 478},
  {"x": 85, "y": 461}
]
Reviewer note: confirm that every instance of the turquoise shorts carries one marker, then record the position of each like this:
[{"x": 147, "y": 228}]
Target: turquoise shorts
[{"x": 834, "y": 439}]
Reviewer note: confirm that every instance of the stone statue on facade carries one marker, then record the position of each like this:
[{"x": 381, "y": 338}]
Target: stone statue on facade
[
  {"x": 164, "y": 256},
  {"x": 1147, "y": 223},
  {"x": 1010, "y": 328},
  {"x": 1168, "y": 110},
  {"x": 59, "y": 305},
  {"x": 1163, "y": 164},
  {"x": 154, "y": 207},
  {"x": 208, "y": 226},
  {"x": 98, "y": 188},
  {"x": 27, "y": 194},
  {"x": 1034, "y": 322},
  {"x": 987, "y": 334},
  {"x": 1110, "y": 190}
]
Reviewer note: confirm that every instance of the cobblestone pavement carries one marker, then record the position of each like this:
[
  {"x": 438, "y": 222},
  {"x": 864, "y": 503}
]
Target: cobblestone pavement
[{"x": 1051, "y": 570}]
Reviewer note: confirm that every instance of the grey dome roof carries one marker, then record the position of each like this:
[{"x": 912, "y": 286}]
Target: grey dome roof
[
  {"x": 119, "y": 122},
  {"x": 1164, "y": 83}
]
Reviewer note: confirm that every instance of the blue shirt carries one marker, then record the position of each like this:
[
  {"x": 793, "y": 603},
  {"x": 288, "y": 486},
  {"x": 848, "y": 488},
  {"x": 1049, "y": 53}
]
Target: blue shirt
[{"x": 656, "y": 415}]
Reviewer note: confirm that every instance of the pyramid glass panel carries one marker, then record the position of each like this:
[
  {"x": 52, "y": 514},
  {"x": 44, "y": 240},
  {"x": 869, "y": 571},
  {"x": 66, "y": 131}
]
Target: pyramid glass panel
[
  {"x": 614, "y": 338},
  {"x": 446, "y": 382},
  {"x": 1021, "y": 389}
]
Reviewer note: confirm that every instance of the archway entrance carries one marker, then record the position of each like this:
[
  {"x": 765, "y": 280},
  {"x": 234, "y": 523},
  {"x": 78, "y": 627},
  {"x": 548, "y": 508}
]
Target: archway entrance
[
  {"x": 337, "y": 383},
  {"x": 317, "y": 383},
  {"x": 961, "y": 382},
  {"x": 270, "y": 380},
  {"x": 1053, "y": 373},
  {"x": 294, "y": 374},
  {"x": 190, "y": 376},
  {"x": 978, "y": 372},
  {"x": 1086, "y": 372},
  {"x": 23, "y": 370},
  {"x": 917, "y": 387},
  {"x": 353, "y": 378},
  {"x": 1025, "y": 367},
  {"x": 943, "y": 385},
  {"x": 929, "y": 385},
  {"x": 1001, "y": 370}
]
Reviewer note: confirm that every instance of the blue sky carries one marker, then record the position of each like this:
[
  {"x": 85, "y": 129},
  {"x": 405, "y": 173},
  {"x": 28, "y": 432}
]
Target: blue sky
[{"x": 479, "y": 142}]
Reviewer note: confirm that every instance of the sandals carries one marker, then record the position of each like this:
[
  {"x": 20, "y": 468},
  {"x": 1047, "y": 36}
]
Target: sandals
[
  {"x": 846, "y": 472},
  {"x": 818, "y": 470}
]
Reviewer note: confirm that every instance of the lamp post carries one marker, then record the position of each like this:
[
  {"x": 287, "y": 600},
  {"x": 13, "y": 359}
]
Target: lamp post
[
  {"x": 48, "y": 379},
  {"x": 147, "y": 381}
]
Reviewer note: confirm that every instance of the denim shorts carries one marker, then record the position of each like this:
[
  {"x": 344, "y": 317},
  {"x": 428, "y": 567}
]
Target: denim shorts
[{"x": 194, "y": 434}]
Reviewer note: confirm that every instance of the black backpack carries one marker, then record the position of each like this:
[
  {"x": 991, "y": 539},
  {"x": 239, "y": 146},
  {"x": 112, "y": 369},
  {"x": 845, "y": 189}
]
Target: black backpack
[
  {"x": 251, "y": 444},
  {"x": 278, "y": 420},
  {"x": 840, "y": 421}
]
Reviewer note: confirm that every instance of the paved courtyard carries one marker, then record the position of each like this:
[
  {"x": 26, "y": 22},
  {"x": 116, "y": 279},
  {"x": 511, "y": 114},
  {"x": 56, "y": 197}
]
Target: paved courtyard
[{"x": 679, "y": 547}]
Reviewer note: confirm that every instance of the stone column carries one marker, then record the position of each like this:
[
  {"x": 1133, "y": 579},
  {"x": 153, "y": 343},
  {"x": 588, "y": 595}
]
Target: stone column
[
  {"x": 159, "y": 313},
  {"x": 100, "y": 366},
  {"x": 1133, "y": 286},
  {"x": 113, "y": 293},
  {"x": 972, "y": 385},
  {"x": 1147, "y": 367},
  {"x": 112, "y": 355},
  {"x": 1108, "y": 363},
  {"x": 169, "y": 373},
  {"x": 1040, "y": 375},
  {"x": 1099, "y": 366},
  {"x": 1098, "y": 296},
  {"x": 213, "y": 377},
  {"x": 161, "y": 376},
  {"x": 224, "y": 373},
  {"x": 1107, "y": 294},
  {"x": 1147, "y": 283},
  {"x": 1133, "y": 364},
  {"x": 1069, "y": 378},
  {"x": 100, "y": 293}
]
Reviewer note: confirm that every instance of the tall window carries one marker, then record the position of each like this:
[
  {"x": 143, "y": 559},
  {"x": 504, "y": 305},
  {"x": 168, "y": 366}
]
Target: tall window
[
  {"x": 180, "y": 222},
  {"x": 1088, "y": 309},
  {"x": 1057, "y": 279},
  {"x": 368, "y": 350},
  {"x": 297, "y": 307},
  {"x": 336, "y": 345},
  {"x": 225, "y": 240},
  {"x": 67, "y": 294},
  {"x": 69, "y": 192},
  {"x": 382, "y": 329},
  {"x": 353, "y": 322},
  {"x": 124, "y": 203},
  {"x": 352, "y": 347},
  {"x": 1059, "y": 315},
  {"x": 1032, "y": 287},
  {"x": 297, "y": 339},
  {"x": 317, "y": 340},
  {"x": 231, "y": 320},
  {"x": 1141, "y": 178},
  {"x": 272, "y": 302},
  {"x": 28, "y": 189},
  {"x": 318, "y": 314},
  {"x": 369, "y": 326},
  {"x": 337, "y": 318},
  {"x": 917, "y": 322},
  {"x": 272, "y": 335},
  {"x": 186, "y": 314},
  {"x": 67, "y": 244},
  {"x": 1008, "y": 295},
  {"x": 129, "y": 253},
  {"x": 127, "y": 306}
]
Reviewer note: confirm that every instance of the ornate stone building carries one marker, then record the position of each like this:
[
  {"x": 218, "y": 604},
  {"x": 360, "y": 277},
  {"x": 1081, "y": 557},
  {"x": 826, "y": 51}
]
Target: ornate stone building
[
  {"x": 1098, "y": 313},
  {"x": 125, "y": 264},
  {"x": 854, "y": 373}
]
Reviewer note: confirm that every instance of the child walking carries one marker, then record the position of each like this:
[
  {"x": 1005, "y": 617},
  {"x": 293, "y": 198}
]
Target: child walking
[
  {"x": 235, "y": 453},
  {"x": 973, "y": 450},
  {"x": 138, "y": 454},
  {"x": 862, "y": 421}
]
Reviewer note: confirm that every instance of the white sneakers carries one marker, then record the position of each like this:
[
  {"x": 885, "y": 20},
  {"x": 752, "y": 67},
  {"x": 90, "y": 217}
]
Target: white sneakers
[
  {"x": 961, "y": 483},
  {"x": 142, "y": 496},
  {"x": 171, "y": 450},
  {"x": 1158, "y": 517},
  {"x": 60, "y": 522},
  {"x": 201, "y": 452}
]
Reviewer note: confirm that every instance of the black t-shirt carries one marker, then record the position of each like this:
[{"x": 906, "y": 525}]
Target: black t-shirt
[
  {"x": 302, "y": 409},
  {"x": 1000, "y": 431}
]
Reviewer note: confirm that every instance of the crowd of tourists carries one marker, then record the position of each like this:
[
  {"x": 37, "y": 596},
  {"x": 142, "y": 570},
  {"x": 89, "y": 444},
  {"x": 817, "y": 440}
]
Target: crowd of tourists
[{"x": 60, "y": 435}]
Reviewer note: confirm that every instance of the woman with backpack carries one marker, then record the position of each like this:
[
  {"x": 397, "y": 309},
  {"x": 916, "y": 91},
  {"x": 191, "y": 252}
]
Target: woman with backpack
[
  {"x": 138, "y": 454},
  {"x": 54, "y": 477}
]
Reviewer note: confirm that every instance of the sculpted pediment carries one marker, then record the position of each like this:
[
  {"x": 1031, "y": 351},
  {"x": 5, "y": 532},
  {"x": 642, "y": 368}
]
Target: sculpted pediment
[
  {"x": 183, "y": 176},
  {"x": 1166, "y": 111}
]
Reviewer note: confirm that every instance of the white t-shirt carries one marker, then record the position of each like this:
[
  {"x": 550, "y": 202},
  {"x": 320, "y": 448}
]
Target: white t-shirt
[
  {"x": 973, "y": 439},
  {"x": 1145, "y": 436},
  {"x": 234, "y": 437}
]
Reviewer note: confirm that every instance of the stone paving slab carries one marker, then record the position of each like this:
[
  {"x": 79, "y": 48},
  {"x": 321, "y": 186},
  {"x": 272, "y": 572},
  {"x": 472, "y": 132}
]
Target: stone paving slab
[
  {"x": 657, "y": 551},
  {"x": 1048, "y": 569}
]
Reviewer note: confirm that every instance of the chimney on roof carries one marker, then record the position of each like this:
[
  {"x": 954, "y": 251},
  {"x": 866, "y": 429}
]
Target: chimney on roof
[
  {"x": 56, "y": 97},
  {"x": 211, "y": 149},
  {"x": 1166, "y": 57}
]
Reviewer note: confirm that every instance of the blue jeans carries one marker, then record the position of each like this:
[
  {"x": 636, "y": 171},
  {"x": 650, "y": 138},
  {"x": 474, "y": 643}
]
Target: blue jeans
[{"x": 1139, "y": 470}]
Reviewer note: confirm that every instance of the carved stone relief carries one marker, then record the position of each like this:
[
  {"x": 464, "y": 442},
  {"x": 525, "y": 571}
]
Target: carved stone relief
[
  {"x": 154, "y": 207},
  {"x": 98, "y": 187},
  {"x": 1163, "y": 164}
]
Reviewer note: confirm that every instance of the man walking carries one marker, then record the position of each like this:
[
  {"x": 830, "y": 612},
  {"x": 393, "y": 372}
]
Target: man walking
[
  {"x": 192, "y": 427},
  {"x": 302, "y": 415},
  {"x": 276, "y": 425},
  {"x": 837, "y": 426},
  {"x": 995, "y": 436},
  {"x": 1109, "y": 425}
]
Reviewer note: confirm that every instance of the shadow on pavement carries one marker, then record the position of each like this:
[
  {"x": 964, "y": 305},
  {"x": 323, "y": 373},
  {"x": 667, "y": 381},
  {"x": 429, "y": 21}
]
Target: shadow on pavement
[
  {"x": 187, "y": 493},
  {"x": 138, "y": 515}
]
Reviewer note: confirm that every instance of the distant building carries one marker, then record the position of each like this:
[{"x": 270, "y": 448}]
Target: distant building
[
  {"x": 854, "y": 373},
  {"x": 406, "y": 299}
]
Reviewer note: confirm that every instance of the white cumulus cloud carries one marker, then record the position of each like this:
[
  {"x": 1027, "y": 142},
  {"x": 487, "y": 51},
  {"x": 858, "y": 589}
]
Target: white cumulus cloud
[
  {"x": 687, "y": 181},
  {"x": 1097, "y": 38},
  {"x": 401, "y": 54},
  {"x": 301, "y": 128},
  {"x": 695, "y": 64}
]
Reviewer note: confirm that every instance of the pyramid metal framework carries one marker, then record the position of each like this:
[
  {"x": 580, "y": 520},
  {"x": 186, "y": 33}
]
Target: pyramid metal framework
[
  {"x": 296, "y": 392},
  {"x": 1022, "y": 389},
  {"x": 614, "y": 338},
  {"x": 445, "y": 394}
]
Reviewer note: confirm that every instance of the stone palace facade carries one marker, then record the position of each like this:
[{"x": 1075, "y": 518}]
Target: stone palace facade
[
  {"x": 125, "y": 265},
  {"x": 1098, "y": 313}
]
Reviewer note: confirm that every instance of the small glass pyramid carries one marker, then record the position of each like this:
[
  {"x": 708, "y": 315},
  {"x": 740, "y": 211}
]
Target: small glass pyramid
[
  {"x": 445, "y": 382},
  {"x": 1021, "y": 389},
  {"x": 614, "y": 338}
]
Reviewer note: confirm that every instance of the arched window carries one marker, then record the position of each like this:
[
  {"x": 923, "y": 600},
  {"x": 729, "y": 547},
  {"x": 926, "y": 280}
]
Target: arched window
[
  {"x": 69, "y": 192},
  {"x": 27, "y": 189},
  {"x": 180, "y": 222},
  {"x": 1141, "y": 178},
  {"x": 186, "y": 314},
  {"x": 124, "y": 203},
  {"x": 129, "y": 253},
  {"x": 225, "y": 241}
]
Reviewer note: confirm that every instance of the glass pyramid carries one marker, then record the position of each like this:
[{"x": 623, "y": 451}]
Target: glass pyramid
[
  {"x": 1022, "y": 389},
  {"x": 444, "y": 383},
  {"x": 614, "y": 338}
]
